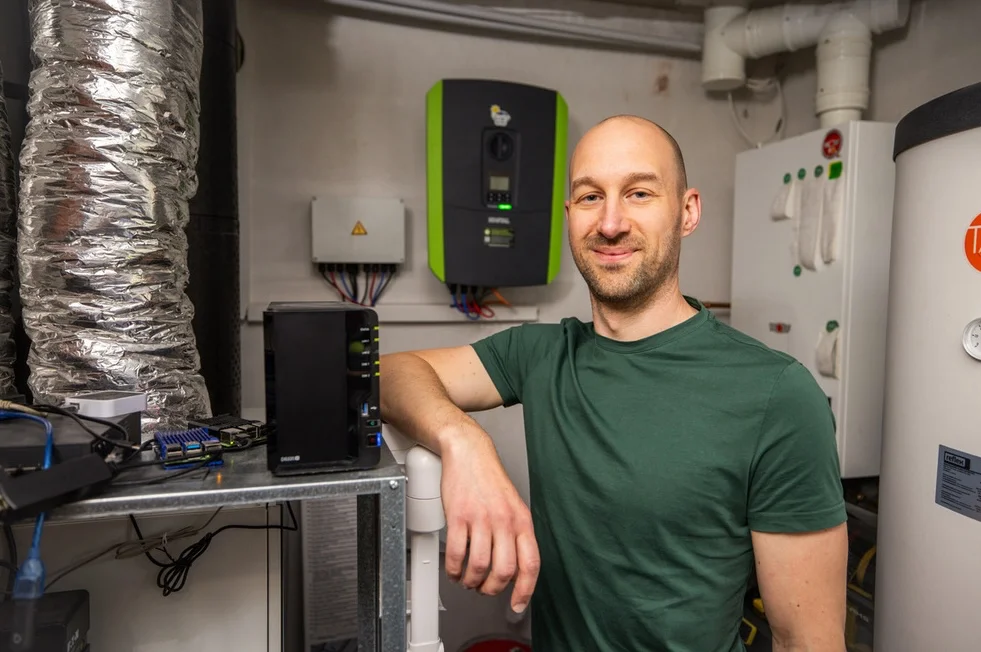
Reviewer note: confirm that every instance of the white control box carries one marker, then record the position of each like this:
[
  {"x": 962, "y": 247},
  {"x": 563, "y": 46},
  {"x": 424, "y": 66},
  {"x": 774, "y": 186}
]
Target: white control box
[
  {"x": 812, "y": 233},
  {"x": 107, "y": 404},
  {"x": 358, "y": 230}
]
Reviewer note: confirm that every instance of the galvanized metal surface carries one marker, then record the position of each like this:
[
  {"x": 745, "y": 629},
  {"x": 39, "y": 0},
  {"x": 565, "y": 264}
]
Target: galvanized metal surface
[{"x": 242, "y": 480}]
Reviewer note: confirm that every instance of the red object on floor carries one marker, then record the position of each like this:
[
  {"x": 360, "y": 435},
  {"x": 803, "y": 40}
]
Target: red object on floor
[{"x": 497, "y": 645}]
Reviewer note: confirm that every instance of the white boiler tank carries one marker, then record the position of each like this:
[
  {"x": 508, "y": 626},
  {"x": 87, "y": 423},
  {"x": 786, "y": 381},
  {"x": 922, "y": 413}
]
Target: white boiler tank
[{"x": 928, "y": 566}]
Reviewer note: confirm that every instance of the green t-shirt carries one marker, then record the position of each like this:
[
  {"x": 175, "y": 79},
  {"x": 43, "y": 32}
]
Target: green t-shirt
[{"x": 650, "y": 462}]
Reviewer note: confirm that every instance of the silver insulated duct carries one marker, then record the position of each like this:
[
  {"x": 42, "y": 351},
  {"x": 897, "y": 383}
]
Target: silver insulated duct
[
  {"x": 107, "y": 169},
  {"x": 8, "y": 251}
]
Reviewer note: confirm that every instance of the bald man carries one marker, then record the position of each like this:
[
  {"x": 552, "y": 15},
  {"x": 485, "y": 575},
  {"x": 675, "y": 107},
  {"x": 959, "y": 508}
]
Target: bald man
[{"x": 666, "y": 450}]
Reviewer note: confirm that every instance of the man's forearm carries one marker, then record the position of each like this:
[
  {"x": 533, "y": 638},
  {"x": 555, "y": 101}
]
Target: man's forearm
[
  {"x": 414, "y": 400},
  {"x": 804, "y": 647},
  {"x": 823, "y": 642}
]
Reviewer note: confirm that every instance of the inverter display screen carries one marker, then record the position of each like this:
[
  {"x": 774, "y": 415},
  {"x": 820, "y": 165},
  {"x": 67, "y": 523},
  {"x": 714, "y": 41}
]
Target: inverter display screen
[{"x": 499, "y": 184}]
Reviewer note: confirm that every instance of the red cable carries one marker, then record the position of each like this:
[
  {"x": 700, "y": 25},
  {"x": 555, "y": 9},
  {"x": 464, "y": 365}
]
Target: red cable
[{"x": 371, "y": 288}]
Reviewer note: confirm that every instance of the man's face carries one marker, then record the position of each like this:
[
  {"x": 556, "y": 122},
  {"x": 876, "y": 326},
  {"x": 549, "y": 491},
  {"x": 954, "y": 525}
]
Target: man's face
[{"x": 627, "y": 212}]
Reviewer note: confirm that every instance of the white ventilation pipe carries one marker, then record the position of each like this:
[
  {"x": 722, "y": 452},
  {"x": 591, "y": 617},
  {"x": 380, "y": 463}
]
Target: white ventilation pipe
[
  {"x": 844, "y": 57},
  {"x": 842, "y": 32},
  {"x": 424, "y": 519}
]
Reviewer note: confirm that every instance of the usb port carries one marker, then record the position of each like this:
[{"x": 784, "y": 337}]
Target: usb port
[
  {"x": 212, "y": 447},
  {"x": 364, "y": 409}
]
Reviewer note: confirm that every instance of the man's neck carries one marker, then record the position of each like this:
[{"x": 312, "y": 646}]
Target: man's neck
[{"x": 668, "y": 308}]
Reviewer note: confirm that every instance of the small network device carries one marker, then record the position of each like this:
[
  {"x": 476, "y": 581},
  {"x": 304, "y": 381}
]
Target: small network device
[{"x": 322, "y": 371}]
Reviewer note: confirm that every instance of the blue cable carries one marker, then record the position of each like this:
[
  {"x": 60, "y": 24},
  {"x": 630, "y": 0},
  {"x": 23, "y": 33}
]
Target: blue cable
[
  {"x": 461, "y": 307},
  {"x": 376, "y": 295},
  {"x": 465, "y": 309},
  {"x": 342, "y": 274},
  {"x": 29, "y": 582}
]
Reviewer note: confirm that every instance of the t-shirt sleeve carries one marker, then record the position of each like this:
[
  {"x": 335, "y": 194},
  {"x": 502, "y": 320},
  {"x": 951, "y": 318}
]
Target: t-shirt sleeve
[
  {"x": 509, "y": 356},
  {"x": 795, "y": 484}
]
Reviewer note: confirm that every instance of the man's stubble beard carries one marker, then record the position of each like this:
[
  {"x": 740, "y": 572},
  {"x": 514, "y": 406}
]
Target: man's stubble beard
[{"x": 620, "y": 288}]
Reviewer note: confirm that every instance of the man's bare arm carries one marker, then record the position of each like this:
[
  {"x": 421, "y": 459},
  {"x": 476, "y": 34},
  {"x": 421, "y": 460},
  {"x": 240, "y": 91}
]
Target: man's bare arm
[
  {"x": 803, "y": 582},
  {"x": 426, "y": 395}
]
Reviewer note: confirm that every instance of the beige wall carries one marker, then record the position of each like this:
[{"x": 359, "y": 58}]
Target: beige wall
[{"x": 336, "y": 105}]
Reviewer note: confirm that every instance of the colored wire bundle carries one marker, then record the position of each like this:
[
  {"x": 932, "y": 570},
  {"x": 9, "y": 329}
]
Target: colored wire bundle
[
  {"x": 474, "y": 302},
  {"x": 345, "y": 280}
]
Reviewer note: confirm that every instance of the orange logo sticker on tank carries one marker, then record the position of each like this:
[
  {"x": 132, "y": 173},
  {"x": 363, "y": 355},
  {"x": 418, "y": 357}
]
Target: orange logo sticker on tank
[{"x": 972, "y": 243}]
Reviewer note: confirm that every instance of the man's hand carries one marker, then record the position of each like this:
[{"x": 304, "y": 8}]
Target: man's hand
[
  {"x": 426, "y": 395},
  {"x": 484, "y": 508}
]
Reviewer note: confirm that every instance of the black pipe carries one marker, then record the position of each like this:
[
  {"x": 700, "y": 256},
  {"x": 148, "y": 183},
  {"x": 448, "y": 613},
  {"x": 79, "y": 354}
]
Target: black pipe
[
  {"x": 213, "y": 232},
  {"x": 17, "y": 70}
]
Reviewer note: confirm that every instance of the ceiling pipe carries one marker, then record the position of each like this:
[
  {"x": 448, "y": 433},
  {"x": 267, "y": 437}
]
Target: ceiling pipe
[
  {"x": 841, "y": 31},
  {"x": 511, "y": 22}
]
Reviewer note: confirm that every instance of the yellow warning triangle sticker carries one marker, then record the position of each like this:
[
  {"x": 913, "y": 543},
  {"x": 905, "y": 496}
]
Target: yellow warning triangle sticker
[{"x": 359, "y": 229}]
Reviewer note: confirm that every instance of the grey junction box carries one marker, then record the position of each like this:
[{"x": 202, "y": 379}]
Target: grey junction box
[{"x": 355, "y": 230}]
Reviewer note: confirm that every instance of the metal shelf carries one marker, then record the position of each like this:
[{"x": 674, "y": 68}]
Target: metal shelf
[{"x": 244, "y": 480}]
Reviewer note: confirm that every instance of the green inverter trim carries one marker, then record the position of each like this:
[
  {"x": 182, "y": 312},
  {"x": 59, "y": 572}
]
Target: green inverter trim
[{"x": 495, "y": 164}]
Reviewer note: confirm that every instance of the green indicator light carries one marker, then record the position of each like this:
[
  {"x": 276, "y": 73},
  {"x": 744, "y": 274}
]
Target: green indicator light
[{"x": 504, "y": 207}]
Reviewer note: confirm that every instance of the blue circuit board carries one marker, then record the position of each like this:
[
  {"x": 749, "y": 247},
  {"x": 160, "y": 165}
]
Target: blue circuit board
[{"x": 185, "y": 448}]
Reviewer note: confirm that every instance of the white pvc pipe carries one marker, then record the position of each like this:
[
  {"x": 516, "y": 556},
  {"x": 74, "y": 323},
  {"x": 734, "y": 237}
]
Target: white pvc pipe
[
  {"x": 480, "y": 17},
  {"x": 424, "y": 518},
  {"x": 424, "y": 594},
  {"x": 794, "y": 27},
  {"x": 844, "y": 57},
  {"x": 397, "y": 443},
  {"x": 722, "y": 68},
  {"x": 767, "y": 31}
]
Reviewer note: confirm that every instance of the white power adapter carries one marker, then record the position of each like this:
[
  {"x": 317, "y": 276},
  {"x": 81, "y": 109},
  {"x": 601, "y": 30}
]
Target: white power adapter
[{"x": 107, "y": 404}]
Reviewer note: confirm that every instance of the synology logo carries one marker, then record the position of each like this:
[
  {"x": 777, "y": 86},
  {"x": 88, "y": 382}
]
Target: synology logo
[{"x": 957, "y": 460}]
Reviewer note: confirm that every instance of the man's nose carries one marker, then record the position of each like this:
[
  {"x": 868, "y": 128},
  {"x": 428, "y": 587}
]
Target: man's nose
[{"x": 612, "y": 222}]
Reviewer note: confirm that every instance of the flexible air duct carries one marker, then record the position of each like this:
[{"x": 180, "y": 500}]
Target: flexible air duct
[
  {"x": 8, "y": 251},
  {"x": 108, "y": 167}
]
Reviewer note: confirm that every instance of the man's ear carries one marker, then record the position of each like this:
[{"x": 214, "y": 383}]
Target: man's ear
[{"x": 691, "y": 211}]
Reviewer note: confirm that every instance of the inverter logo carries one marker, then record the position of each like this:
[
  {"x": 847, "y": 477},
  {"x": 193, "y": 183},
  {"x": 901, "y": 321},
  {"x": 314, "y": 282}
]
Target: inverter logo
[
  {"x": 493, "y": 219},
  {"x": 500, "y": 117},
  {"x": 957, "y": 460}
]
